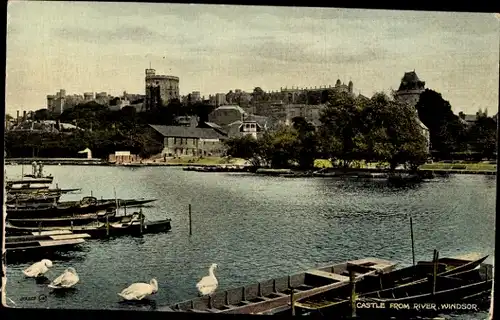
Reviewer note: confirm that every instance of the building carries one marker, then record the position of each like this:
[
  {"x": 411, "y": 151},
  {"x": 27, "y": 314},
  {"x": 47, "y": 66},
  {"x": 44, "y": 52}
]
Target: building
[
  {"x": 190, "y": 141},
  {"x": 409, "y": 92},
  {"x": 195, "y": 97},
  {"x": 410, "y": 88},
  {"x": 102, "y": 98},
  {"x": 118, "y": 103},
  {"x": 160, "y": 89},
  {"x": 243, "y": 128},
  {"x": 225, "y": 115},
  {"x": 88, "y": 96},
  {"x": 56, "y": 103},
  {"x": 299, "y": 95}
]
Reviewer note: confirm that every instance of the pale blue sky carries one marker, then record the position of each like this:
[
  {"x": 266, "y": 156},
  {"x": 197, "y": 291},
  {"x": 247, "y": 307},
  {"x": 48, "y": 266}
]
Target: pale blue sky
[{"x": 90, "y": 46}]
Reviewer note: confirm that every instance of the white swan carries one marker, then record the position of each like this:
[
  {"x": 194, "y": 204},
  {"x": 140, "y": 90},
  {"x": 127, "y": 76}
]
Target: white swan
[
  {"x": 66, "y": 280},
  {"x": 38, "y": 269},
  {"x": 208, "y": 284},
  {"x": 139, "y": 291}
]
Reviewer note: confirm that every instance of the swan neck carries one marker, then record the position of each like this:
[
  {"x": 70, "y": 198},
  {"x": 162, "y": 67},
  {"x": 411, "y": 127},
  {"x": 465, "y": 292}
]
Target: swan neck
[{"x": 211, "y": 271}]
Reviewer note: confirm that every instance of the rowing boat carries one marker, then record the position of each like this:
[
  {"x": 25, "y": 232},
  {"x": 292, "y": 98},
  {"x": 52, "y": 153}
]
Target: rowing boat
[{"x": 275, "y": 293}]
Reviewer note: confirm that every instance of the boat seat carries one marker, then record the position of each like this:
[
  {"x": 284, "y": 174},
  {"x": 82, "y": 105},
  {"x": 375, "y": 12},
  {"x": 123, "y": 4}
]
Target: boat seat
[
  {"x": 198, "y": 311},
  {"x": 329, "y": 275}
]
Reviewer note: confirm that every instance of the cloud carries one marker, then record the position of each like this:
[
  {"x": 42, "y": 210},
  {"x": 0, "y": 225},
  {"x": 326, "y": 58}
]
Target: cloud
[
  {"x": 282, "y": 51},
  {"x": 134, "y": 34}
]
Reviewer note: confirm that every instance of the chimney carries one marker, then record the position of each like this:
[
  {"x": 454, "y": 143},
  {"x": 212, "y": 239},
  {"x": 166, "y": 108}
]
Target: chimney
[
  {"x": 24, "y": 115},
  {"x": 17, "y": 118}
]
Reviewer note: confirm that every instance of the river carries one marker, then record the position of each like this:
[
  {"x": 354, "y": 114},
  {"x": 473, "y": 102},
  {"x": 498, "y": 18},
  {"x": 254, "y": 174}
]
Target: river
[{"x": 256, "y": 228}]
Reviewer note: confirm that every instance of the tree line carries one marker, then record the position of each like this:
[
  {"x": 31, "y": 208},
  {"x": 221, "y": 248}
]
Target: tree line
[
  {"x": 351, "y": 129},
  {"x": 104, "y": 131},
  {"x": 379, "y": 129}
]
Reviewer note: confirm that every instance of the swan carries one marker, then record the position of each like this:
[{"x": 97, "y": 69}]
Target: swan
[
  {"x": 208, "y": 284},
  {"x": 138, "y": 291},
  {"x": 66, "y": 280},
  {"x": 38, "y": 269}
]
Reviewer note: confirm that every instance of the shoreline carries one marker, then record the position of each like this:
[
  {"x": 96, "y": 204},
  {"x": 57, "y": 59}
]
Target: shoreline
[{"x": 282, "y": 172}]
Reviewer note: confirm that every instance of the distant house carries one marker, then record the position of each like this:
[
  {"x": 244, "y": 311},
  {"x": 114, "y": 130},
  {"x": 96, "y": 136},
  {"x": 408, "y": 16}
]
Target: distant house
[
  {"x": 191, "y": 140},
  {"x": 243, "y": 128},
  {"x": 225, "y": 115},
  {"x": 468, "y": 119}
]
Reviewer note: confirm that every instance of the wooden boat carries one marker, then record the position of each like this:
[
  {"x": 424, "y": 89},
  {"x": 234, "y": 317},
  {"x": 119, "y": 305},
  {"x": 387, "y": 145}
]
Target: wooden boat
[
  {"x": 86, "y": 205},
  {"x": 40, "y": 191},
  {"x": 33, "y": 246},
  {"x": 26, "y": 188},
  {"x": 125, "y": 225},
  {"x": 338, "y": 301},
  {"x": 37, "y": 176},
  {"x": 39, "y": 198},
  {"x": 46, "y": 180},
  {"x": 448, "y": 290},
  {"x": 275, "y": 293},
  {"x": 75, "y": 220}
]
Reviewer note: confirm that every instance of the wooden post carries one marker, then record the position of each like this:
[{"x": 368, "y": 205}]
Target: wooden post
[
  {"x": 412, "y": 242},
  {"x": 190, "y": 222},
  {"x": 40, "y": 228},
  {"x": 71, "y": 225},
  {"x": 142, "y": 220},
  {"x": 91, "y": 193},
  {"x": 352, "y": 282},
  {"x": 116, "y": 200},
  {"x": 434, "y": 272},
  {"x": 292, "y": 302},
  {"x": 107, "y": 224}
]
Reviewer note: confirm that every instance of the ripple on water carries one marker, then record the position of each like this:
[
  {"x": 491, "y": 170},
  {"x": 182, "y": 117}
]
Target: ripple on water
[{"x": 256, "y": 228}]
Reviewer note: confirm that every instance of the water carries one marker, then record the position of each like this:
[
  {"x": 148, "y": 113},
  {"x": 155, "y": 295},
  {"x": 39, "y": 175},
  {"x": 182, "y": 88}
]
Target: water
[{"x": 256, "y": 228}]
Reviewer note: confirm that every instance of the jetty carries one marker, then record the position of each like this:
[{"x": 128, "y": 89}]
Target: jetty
[{"x": 42, "y": 244}]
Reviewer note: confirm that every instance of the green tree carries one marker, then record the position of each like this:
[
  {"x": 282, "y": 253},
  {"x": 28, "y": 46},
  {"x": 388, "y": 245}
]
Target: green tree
[
  {"x": 339, "y": 133},
  {"x": 307, "y": 144},
  {"x": 482, "y": 136},
  {"x": 246, "y": 147},
  {"x": 393, "y": 133},
  {"x": 448, "y": 134}
]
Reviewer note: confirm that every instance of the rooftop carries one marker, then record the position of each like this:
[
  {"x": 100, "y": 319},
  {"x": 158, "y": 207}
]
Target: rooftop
[
  {"x": 231, "y": 107},
  {"x": 187, "y": 132},
  {"x": 410, "y": 81}
]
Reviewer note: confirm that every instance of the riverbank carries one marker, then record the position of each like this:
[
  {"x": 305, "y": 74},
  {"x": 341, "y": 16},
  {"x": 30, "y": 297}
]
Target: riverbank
[{"x": 218, "y": 164}]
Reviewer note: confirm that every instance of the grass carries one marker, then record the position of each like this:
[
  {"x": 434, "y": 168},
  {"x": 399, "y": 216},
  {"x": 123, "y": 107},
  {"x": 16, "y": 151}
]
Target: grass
[
  {"x": 323, "y": 163},
  {"x": 479, "y": 166},
  {"x": 460, "y": 166},
  {"x": 205, "y": 160}
]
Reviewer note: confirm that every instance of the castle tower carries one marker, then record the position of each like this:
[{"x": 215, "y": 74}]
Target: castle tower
[
  {"x": 351, "y": 87},
  {"x": 410, "y": 88}
]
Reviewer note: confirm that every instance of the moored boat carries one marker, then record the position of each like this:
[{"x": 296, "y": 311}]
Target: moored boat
[
  {"x": 275, "y": 293},
  {"x": 86, "y": 205},
  {"x": 337, "y": 302},
  {"x": 123, "y": 225}
]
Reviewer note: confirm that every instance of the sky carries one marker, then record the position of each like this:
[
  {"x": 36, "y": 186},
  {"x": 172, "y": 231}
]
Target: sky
[{"x": 94, "y": 47}]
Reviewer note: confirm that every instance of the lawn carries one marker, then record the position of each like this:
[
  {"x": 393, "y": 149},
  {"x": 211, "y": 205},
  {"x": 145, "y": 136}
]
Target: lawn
[
  {"x": 479, "y": 166},
  {"x": 460, "y": 166},
  {"x": 205, "y": 160}
]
